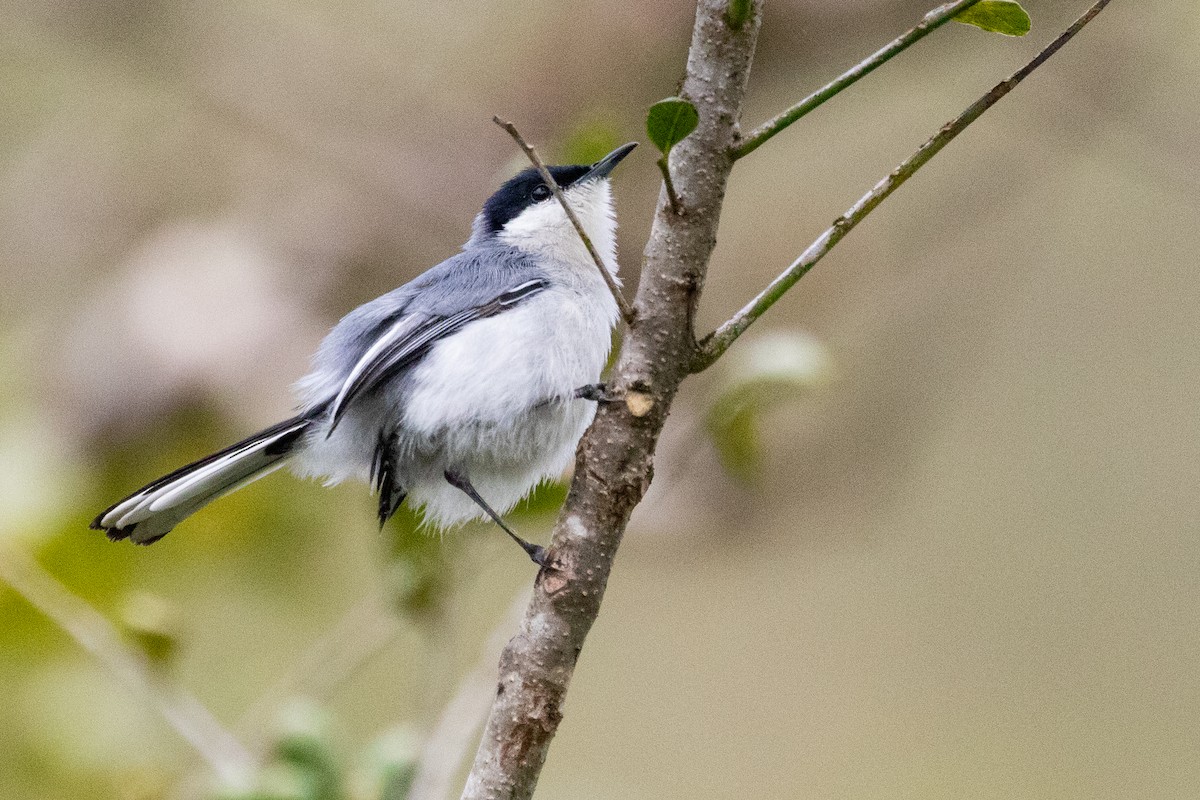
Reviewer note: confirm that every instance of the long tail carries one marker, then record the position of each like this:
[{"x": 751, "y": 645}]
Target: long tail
[{"x": 151, "y": 512}]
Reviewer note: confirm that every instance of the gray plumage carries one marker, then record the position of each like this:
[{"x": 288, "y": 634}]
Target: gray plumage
[
  {"x": 459, "y": 384},
  {"x": 462, "y": 287}
]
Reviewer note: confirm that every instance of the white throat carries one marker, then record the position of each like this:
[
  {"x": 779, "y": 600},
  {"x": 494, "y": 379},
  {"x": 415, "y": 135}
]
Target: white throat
[{"x": 544, "y": 229}]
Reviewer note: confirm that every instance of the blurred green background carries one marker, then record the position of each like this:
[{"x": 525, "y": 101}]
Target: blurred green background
[{"x": 962, "y": 563}]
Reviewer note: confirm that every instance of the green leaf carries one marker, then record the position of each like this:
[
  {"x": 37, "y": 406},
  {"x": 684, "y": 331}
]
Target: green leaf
[
  {"x": 773, "y": 370},
  {"x": 670, "y": 121},
  {"x": 997, "y": 16}
]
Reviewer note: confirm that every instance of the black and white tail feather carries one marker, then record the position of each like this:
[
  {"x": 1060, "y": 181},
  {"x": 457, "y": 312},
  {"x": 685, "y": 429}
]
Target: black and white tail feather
[{"x": 151, "y": 512}]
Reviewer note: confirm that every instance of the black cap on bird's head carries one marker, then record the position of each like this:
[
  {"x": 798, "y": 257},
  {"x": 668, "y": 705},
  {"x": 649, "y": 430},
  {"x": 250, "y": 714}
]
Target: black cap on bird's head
[{"x": 527, "y": 188}]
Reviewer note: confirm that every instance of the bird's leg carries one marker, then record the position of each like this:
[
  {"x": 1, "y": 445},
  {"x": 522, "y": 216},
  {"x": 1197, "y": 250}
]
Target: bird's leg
[
  {"x": 597, "y": 392},
  {"x": 536, "y": 553}
]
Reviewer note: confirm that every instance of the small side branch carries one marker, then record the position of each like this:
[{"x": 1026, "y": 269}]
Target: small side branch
[
  {"x": 95, "y": 634},
  {"x": 622, "y": 303},
  {"x": 931, "y": 22},
  {"x": 673, "y": 198},
  {"x": 715, "y": 344}
]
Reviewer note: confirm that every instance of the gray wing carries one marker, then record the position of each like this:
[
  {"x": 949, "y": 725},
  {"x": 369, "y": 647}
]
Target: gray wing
[{"x": 394, "y": 332}]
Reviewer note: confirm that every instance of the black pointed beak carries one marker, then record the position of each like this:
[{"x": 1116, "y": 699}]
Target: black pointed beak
[{"x": 606, "y": 165}]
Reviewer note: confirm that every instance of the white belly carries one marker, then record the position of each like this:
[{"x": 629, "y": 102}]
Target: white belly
[{"x": 494, "y": 401}]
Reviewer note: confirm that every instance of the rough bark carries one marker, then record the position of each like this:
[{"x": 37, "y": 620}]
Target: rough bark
[{"x": 614, "y": 463}]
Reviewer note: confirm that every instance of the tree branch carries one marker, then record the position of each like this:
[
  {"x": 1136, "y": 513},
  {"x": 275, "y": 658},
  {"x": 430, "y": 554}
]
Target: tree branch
[
  {"x": 931, "y": 22},
  {"x": 548, "y": 179},
  {"x": 613, "y": 464},
  {"x": 716, "y": 343},
  {"x": 95, "y": 634},
  {"x": 614, "y": 461},
  {"x": 664, "y": 167}
]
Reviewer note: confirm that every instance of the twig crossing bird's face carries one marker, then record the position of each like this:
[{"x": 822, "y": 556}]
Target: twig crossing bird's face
[
  {"x": 525, "y": 214},
  {"x": 522, "y": 194}
]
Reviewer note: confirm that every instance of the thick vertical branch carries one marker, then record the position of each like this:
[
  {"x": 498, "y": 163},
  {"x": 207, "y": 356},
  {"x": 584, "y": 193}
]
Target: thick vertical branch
[{"x": 614, "y": 462}]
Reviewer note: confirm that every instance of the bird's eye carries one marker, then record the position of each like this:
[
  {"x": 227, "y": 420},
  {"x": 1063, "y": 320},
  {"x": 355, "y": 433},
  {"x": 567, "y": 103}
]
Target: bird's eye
[{"x": 541, "y": 191}]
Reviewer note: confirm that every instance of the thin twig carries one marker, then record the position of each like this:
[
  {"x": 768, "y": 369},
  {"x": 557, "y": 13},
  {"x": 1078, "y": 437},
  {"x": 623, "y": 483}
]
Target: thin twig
[
  {"x": 622, "y": 304},
  {"x": 95, "y": 634},
  {"x": 450, "y": 741},
  {"x": 928, "y": 24},
  {"x": 716, "y": 343},
  {"x": 673, "y": 198}
]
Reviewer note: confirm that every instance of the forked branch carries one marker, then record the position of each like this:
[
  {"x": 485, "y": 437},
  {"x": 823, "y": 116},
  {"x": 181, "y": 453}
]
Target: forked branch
[
  {"x": 716, "y": 343},
  {"x": 928, "y": 24},
  {"x": 614, "y": 460}
]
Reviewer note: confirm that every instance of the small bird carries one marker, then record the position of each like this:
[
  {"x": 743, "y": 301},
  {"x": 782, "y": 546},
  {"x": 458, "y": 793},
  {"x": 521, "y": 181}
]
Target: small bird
[{"x": 471, "y": 381}]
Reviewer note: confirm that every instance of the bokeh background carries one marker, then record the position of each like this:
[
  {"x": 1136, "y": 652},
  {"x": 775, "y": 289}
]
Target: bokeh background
[{"x": 959, "y": 559}]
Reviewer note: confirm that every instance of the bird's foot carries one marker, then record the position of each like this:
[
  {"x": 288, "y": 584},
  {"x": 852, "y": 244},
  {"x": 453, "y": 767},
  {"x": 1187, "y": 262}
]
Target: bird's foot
[{"x": 598, "y": 392}]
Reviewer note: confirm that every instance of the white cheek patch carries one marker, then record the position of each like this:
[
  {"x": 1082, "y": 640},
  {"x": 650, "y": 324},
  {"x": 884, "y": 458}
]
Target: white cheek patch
[
  {"x": 536, "y": 221},
  {"x": 544, "y": 228}
]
